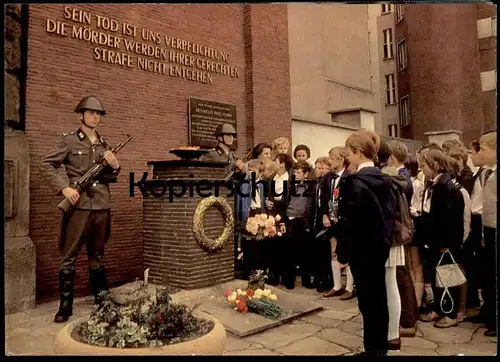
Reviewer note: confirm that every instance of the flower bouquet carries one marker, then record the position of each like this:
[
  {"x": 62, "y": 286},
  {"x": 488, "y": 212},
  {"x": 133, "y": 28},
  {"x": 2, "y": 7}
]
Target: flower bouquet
[
  {"x": 262, "y": 226},
  {"x": 259, "y": 301},
  {"x": 258, "y": 228}
]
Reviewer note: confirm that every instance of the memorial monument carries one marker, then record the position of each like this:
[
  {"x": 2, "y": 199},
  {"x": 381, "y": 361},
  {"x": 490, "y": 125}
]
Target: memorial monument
[{"x": 189, "y": 230}]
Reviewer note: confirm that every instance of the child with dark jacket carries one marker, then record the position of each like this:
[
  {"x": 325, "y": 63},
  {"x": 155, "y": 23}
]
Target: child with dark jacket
[
  {"x": 296, "y": 248},
  {"x": 319, "y": 237},
  {"x": 329, "y": 209},
  {"x": 442, "y": 227},
  {"x": 278, "y": 185},
  {"x": 367, "y": 213}
]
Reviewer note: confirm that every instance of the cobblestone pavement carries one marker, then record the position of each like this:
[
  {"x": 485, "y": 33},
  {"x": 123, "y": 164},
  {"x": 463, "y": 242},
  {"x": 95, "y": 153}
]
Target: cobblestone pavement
[{"x": 336, "y": 330}]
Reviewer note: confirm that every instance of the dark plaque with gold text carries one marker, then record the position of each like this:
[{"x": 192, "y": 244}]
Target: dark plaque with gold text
[{"x": 204, "y": 117}]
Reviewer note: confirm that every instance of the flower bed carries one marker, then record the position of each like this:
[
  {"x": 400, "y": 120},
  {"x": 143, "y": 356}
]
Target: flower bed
[{"x": 146, "y": 320}]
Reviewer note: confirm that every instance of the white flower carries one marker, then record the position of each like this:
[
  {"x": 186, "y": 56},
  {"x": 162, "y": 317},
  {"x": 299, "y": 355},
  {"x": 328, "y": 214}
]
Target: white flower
[
  {"x": 239, "y": 291},
  {"x": 244, "y": 293},
  {"x": 256, "y": 296},
  {"x": 258, "y": 291},
  {"x": 231, "y": 298},
  {"x": 278, "y": 218},
  {"x": 273, "y": 297},
  {"x": 237, "y": 301},
  {"x": 279, "y": 233}
]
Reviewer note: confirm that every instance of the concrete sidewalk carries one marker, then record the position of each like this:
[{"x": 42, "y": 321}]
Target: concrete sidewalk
[{"x": 336, "y": 330}]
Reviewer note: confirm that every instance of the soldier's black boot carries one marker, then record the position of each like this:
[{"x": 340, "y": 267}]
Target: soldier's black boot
[
  {"x": 66, "y": 290},
  {"x": 98, "y": 283}
]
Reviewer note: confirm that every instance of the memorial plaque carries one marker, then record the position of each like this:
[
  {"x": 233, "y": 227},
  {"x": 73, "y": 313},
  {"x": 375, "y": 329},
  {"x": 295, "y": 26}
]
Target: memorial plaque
[{"x": 204, "y": 117}]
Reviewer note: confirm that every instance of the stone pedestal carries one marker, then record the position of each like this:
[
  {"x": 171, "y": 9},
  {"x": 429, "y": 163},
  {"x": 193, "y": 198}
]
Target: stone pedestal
[
  {"x": 440, "y": 137},
  {"x": 20, "y": 261},
  {"x": 170, "y": 249}
]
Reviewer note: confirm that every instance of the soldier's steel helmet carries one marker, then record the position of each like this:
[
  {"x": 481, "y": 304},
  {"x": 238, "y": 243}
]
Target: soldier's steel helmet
[
  {"x": 225, "y": 128},
  {"x": 90, "y": 103}
]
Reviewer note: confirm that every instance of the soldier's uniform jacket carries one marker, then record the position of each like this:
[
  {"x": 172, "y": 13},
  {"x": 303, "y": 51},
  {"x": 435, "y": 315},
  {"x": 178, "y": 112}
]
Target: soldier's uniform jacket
[
  {"x": 218, "y": 155},
  {"x": 78, "y": 155}
]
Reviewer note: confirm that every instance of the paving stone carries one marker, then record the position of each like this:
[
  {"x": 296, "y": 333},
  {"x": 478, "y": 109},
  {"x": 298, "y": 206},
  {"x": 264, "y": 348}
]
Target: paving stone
[
  {"x": 354, "y": 310},
  {"x": 468, "y": 349},
  {"x": 337, "y": 304},
  {"x": 236, "y": 344},
  {"x": 321, "y": 321},
  {"x": 454, "y": 335},
  {"x": 351, "y": 328},
  {"x": 256, "y": 346},
  {"x": 313, "y": 346},
  {"x": 479, "y": 337},
  {"x": 299, "y": 321},
  {"x": 16, "y": 332},
  {"x": 16, "y": 320},
  {"x": 252, "y": 352},
  {"x": 21, "y": 345},
  {"x": 418, "y": 343},
  {"x": 357, "y": 319},
  {"x": 283, "y": 335},
  {"x": 335, "y": 314},
  {"x": 343, "y": 339},
  {"x": 412, "y": 351}
]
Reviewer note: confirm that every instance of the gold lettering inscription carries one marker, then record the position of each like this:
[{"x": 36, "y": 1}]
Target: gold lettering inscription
[{"x": 120, "y": 43}]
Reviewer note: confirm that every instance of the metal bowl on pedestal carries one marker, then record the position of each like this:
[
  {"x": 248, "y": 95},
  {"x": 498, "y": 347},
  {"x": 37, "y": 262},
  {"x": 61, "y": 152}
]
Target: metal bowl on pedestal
[{"x": 189, "y": 153}]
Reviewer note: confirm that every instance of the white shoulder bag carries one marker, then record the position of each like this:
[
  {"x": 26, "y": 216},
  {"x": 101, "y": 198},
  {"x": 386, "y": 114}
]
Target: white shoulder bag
[{"x": 448, "y": 276}]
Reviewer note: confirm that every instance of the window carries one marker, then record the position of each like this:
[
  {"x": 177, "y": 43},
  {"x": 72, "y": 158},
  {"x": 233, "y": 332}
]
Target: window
[
  {"x": 388, "y": 44},
  {"x": 400, "y": 12},
  {"x": 390, "y": 89},
  {"x": 489, "y": 80},
  {"x": 402, "y": 55},
  {"x": 393, "y": 130},
  {"x": 386, "y": 8},
  {"x": 404, "y": 111},
  {"x": 494, "y": 25}
]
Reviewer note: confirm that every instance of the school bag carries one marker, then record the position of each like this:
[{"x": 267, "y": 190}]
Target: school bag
[
  {"x": 400, "y": 218},
  {"x": 403, "y": 222}
]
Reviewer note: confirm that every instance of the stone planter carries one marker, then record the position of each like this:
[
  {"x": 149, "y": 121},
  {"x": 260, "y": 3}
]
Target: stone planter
[{"x": 212, "y": 343}]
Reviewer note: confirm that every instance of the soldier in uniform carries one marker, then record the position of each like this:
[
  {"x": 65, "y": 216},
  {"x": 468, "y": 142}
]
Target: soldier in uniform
[
  {"x": 89, "y": 221},
  {"x": 225, "y": 135}
]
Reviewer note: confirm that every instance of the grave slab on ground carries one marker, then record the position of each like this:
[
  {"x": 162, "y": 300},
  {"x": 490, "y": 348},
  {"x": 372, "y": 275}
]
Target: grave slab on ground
[{"x": 246, "y": 324}]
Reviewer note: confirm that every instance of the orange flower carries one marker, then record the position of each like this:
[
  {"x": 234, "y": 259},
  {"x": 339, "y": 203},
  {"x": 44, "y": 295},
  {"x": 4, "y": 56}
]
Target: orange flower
[
  {"x": 250, "y": 292},
  {"x": 228, "y": 293}
]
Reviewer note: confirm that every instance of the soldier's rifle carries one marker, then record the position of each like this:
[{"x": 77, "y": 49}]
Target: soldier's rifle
[
  {"x": 245, "y": 158},
  {"x": 90, "y": 176}
]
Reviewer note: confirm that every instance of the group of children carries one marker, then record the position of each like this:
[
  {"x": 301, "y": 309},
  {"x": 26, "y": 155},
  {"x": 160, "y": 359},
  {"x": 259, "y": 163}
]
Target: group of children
[
  {"x": 306, "y": 214},
  {"x": 353, "y": 219}
]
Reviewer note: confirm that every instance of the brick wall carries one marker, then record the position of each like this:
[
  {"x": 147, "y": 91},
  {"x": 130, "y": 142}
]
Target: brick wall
[
  {"x": 151, "y": 107},
  {"x": 442, "y": 77},
  {"x": 170, "y": 249}
]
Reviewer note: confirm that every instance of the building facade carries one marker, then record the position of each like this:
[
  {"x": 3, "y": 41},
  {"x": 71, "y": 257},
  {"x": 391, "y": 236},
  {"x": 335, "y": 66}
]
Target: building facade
[
  {"x": 446, "y": 70},
  {"x": 331, "y": 85},
  {"x": 487, "y": 35},
  {"x": 381, "y": 23},
  {"x": 143, "y": 61}
]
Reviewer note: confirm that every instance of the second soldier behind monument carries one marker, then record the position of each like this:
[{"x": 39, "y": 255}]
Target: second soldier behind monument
[{"x": 225, "y": 135}]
